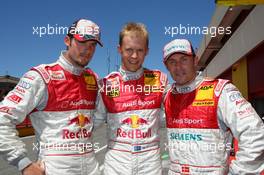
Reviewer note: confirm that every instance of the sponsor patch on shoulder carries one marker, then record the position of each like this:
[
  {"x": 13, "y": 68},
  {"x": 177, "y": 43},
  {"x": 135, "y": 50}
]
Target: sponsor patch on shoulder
[
  {"x": 90, "y": 82},
  {"x": 205, "y": 92},
  {"x": 112, "y": 82},
  {"x": 57, "y": 75},
  {"x": 152, "y": 78},
  {"x": 29, "y": 76}
]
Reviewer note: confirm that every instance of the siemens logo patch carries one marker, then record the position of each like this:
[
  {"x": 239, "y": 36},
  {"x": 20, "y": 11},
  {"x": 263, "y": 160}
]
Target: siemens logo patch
[{"x": 185, "y": 136}]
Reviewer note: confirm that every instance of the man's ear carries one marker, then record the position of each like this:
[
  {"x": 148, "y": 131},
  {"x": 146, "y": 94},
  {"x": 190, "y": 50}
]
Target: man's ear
[
  {"x": 196, "y": 61},
  {"x": 147, "y": 51},
  {"x": 166, "y": 65},
  {"x": 119, "y": 49},
  {"x": 67, "y": 41}
]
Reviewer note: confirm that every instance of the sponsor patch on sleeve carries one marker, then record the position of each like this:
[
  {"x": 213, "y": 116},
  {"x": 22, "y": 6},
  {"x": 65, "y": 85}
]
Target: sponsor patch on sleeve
[{"x": 14, "y": 98}]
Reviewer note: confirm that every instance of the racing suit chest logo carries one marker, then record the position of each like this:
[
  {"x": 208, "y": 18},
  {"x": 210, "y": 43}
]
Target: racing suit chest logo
[
  {"x": 134, "y": 121},
  {"x": 204, "y": 95},
  {"x": 135, "y": 126},
  {"x": 90, "y": 81},
  {"x": 81, "y": 121},
  {"x": 152, "y": 79},
  {"x": 185, "y": 136}
]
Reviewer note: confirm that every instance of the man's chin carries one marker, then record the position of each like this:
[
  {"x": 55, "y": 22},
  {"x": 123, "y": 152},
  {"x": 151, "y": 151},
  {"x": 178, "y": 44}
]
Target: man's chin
[
  {"x": 180, "y": 83},
  {"x": 132, "y": 69},
  {"x": 82, "y": 65}
]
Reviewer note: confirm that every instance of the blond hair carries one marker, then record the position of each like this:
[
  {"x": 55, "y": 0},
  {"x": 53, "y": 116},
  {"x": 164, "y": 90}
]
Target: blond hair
[{"x": 132, "y": 27}]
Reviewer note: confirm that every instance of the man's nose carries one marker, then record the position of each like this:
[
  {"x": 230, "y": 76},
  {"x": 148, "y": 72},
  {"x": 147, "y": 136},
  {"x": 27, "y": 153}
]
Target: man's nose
[
  {"x": 178, "y": 65},
  {"x": 134, "y": 54}
]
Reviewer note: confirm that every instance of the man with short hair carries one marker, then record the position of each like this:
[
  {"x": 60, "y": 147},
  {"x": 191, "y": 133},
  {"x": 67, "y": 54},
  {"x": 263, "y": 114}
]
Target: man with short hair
[
  {"x": 202, "y": 115},
  {"x": 60, "y": 101},
  {"x": 131, "y": 100}
]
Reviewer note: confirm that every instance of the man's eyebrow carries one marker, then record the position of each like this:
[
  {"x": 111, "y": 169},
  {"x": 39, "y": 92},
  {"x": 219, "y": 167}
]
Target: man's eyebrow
[{"x": 184, "y": 56}]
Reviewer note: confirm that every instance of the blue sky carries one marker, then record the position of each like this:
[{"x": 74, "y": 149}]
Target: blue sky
[{"x": 21, "y": 49}]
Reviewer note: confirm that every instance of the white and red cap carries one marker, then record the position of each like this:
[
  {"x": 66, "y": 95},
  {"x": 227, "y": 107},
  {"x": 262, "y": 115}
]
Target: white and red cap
[
  {"x": 84, "y": 30},
  {"x": 177, "y": 46}
]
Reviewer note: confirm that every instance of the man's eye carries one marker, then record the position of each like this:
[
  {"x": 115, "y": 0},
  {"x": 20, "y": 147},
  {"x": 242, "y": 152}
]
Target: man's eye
[
  {"x": 184, "y": 59},
  {"x": 129, "y": 50},
  {"x": 140, "y": 51},
  {"x": 172, "y": 62}
]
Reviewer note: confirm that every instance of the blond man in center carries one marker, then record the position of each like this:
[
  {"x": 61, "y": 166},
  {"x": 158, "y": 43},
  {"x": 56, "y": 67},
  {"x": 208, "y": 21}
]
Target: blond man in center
[{"x": 130, "y": 100}]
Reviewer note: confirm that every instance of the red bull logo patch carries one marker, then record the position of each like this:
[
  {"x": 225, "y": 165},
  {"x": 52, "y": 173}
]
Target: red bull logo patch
[
  {"x": 135, "y": 122},
  {"x": 82, "y": 133},
  {"x": 80, "y": 120},
  {"x": 132, "y": 134}
]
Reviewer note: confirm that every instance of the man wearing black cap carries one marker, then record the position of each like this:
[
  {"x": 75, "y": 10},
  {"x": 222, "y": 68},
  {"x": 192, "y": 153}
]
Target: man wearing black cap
[
  {"x": 60, "y": 100},
  {"x": 202, "y": 115}
]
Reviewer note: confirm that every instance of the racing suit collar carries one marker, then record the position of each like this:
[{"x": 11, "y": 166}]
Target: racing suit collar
[
  {"x": 68, "y": 66},
  {"x": 127, "y": 75},
  {"x": 190, "y": 86}
]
